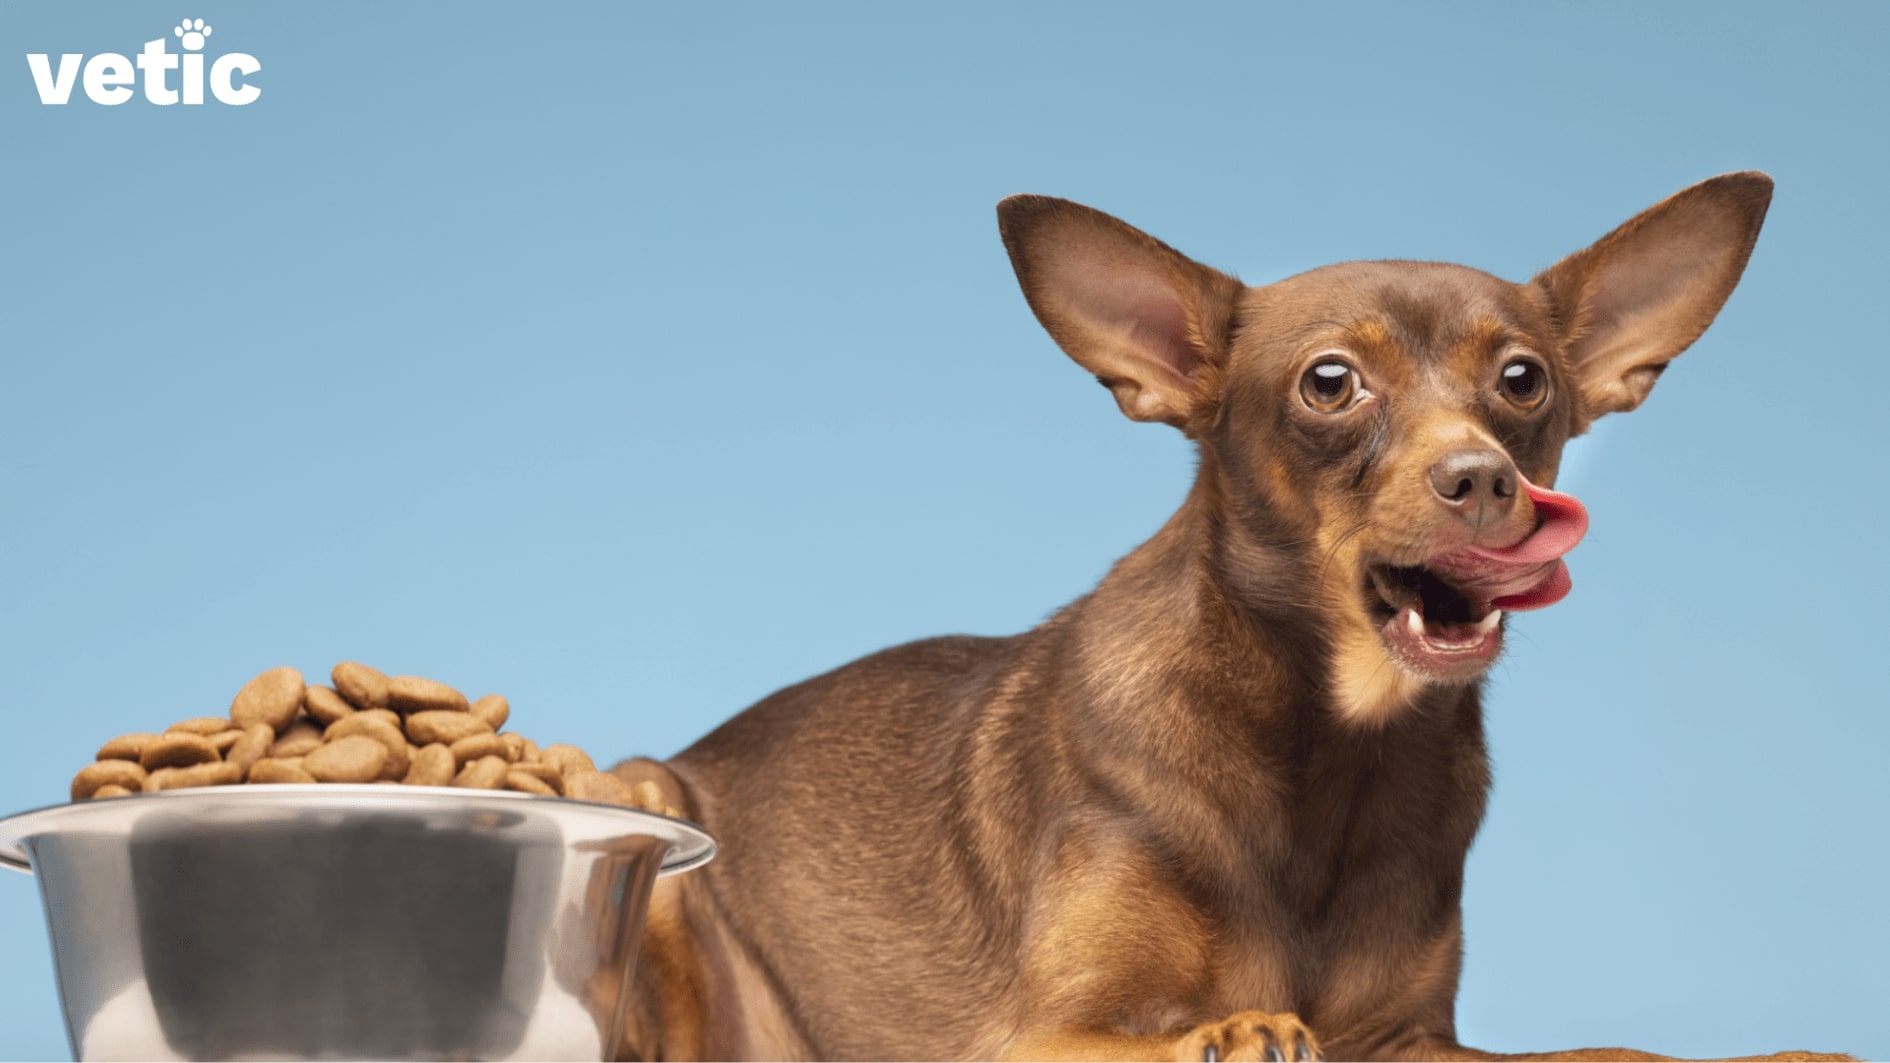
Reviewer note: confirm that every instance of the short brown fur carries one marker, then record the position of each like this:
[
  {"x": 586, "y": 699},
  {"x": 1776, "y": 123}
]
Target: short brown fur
[{"x": 1201, "y": 809}]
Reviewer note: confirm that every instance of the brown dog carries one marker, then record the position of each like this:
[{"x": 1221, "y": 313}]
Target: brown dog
[{"x": 1220, "y": 806}]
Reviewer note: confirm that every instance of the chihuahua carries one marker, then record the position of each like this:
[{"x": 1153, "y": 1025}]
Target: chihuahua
[{"x": 1219, "y": 807}]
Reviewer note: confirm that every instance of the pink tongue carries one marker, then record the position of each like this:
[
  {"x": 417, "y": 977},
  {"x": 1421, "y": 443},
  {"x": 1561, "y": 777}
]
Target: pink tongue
[{"x": 1529, "y": 574}]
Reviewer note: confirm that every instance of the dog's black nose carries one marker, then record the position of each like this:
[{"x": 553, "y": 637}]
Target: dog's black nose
[{"x": 1480, "y": 485}]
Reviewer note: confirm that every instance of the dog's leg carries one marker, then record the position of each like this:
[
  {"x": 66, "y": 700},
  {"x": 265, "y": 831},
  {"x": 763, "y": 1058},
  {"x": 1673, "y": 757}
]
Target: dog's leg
[
  {"x": 1253, "y": 1035},
  {"x": 667, "y": 1019}
]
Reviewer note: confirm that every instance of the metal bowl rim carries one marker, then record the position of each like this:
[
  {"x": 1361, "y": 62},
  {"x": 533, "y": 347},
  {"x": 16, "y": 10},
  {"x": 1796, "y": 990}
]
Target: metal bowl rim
[{"x": 690, "y": 845}]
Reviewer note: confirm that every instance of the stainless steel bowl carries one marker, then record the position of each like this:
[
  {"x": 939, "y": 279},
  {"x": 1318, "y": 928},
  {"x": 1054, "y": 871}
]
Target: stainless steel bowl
[{"x": 345, "y": 922}]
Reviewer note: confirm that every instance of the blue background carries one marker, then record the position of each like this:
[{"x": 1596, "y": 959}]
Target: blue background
[{"x": 637, "y": 360}]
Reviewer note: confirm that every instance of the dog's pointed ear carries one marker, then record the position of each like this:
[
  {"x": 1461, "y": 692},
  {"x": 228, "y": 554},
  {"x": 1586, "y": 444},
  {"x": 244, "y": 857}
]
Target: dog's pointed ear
[
  {"x": 1644, "y": 292},
  {"x": 1149, "y": 322}
]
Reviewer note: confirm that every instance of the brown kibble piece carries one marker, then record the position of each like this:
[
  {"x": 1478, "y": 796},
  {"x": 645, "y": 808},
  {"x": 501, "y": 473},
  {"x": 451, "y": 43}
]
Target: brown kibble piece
[
  {"x": 272, "y": 770},
  {"x": 252, "y": 747},
  {"x": 325, "y": 705},
  {"x": 544, "y": 773},
  {"x": 444, "y": 726},
  {"x": 411, "y": 693},
  {"x": 568, "y": 759},
  {"x": 273, "y": 697},
  {"x": 199, "y": 725},
  {"x": 223, "y": 740},
  {"x": 354, "y": 758},
  {"x": 494, "y": 709},
  {"x": 486, "y": 773},
  {"x": 111, "y": 790},
  {"x": 527, "y": 783},
  {"x": 473, "y": 747},
  {"x": 178, "y": 749},
  {"x": 208, "y": 774},
  {"x": 433, "y": 765},
  {"x": 364, "y": 687},
  {"x": 398, "y": 763},
  {"x": 514, "y": 747},
  {"x": 372, "y": 725},
  {"x": 125, "y": 747},
  {"x": 386, "y": 716},
  {"x": 594, "y": 785},
  {"x": 112, "y": 772},
  {"x": 300, "y": 738}
]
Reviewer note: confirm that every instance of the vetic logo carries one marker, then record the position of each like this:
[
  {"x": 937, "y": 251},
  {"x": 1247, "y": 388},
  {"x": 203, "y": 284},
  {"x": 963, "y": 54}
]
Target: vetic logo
[{"x": 108, "y": 74}]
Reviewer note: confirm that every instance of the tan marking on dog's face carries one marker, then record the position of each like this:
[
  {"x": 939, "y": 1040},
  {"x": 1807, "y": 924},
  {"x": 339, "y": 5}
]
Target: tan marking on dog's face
[
  {"x": 1367, "y": 686},
  {"x": 1428, "y": 343},
  {"x": 1370, "y": 333}
]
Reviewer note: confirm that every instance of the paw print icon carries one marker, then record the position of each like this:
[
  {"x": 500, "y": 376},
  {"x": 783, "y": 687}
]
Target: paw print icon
[{"x": 193, "y": 31}]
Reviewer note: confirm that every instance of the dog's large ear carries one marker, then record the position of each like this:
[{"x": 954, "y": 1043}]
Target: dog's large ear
[
  {"x": 1149, "y": 322},
  {"x": 1644, "y": 292}
]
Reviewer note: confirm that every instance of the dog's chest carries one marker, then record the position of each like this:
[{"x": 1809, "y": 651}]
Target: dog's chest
[
  {"x": 1356, "y": 867},
  {"x": 1326, "y": 895}
]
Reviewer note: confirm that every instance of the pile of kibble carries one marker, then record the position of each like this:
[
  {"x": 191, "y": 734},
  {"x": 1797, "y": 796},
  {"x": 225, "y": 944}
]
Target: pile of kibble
[{"x": 367, "y": 728}]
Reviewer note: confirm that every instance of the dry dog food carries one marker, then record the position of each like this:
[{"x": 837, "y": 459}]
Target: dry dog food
[{"x": 367, "y": 728}]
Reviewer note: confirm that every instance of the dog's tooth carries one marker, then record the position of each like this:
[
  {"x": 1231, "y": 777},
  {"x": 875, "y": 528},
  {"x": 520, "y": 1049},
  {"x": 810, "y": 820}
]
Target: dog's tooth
[
  {"x": 1488, "y": 623},
  {"x": 1414, "y": 623}
]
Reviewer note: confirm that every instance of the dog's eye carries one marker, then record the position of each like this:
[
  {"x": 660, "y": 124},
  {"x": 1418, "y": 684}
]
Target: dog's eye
[
  {"x": 1329, "y": 386},
  {"x": 1525, "y": 383}
]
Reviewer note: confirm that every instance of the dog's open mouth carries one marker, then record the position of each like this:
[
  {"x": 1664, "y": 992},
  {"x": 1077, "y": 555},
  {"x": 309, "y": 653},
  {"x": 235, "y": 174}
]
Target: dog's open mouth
[
  {"x": 1431, "y": 626},
  {"x": 1443, "y": 618}
]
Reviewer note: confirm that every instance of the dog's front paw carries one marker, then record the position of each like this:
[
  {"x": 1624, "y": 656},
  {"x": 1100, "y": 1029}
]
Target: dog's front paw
[{"x": 1250, "y": 1035}]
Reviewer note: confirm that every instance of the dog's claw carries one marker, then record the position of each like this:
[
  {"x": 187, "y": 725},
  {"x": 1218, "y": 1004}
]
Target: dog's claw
[{"x": 1273, "y": 1036}]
